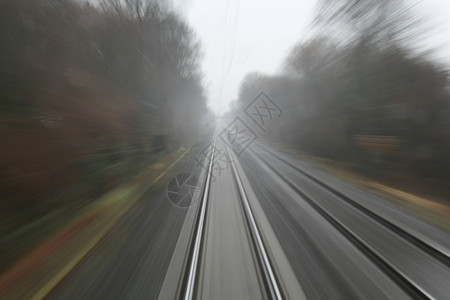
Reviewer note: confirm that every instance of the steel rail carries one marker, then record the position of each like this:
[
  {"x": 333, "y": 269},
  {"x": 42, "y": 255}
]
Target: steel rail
[
  {"x": 433, "y": 250},
  {"x": 411, "y": 287},
  {"x": 269, "y": 276},
  {"x": 193, "y": 262}
]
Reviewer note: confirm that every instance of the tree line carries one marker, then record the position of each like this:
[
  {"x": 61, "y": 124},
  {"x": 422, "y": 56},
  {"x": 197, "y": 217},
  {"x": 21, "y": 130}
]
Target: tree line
[
  {"x": 90, "y": 94},
  {"x": 358, "y": 90}
]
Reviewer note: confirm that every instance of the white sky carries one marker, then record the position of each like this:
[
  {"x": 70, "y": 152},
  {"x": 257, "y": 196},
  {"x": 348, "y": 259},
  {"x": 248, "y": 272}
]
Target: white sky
[{"x": 244, "y": 36}]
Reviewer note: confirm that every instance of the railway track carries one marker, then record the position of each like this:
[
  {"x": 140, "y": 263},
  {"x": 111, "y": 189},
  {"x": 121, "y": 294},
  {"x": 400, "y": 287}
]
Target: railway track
[
  {"x": 194, "y": 256},
  {"x": 415, "y": 288},
  {"x": 432, "y": 249},
  {"x": 191, "y": 279}
]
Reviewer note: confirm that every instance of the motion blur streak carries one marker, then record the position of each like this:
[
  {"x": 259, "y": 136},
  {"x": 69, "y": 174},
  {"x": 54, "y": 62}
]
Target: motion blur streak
[{"x": 326, "y": 178}]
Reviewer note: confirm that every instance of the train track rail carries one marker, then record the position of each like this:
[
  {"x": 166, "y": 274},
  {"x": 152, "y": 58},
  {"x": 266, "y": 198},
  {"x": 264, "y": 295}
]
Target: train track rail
[
  {"x": 434, "y": 250},
  {"x": 414, "y": 289},
  {"x": 269, "y": 276},
  {"x": 191, "y": 275},
  {"x": 191, "y": 280}
]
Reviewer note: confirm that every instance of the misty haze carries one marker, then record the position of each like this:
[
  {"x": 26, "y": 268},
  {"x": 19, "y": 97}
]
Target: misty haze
[{"x": 226, "y": 149}]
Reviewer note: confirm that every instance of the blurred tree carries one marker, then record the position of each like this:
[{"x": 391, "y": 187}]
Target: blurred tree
[
  {"x": 84, "y": 91},
  {"x": 360, "y": 74}
]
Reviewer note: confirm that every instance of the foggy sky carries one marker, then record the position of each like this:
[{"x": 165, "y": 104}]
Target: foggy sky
[{"x": 255, "y": 35}]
